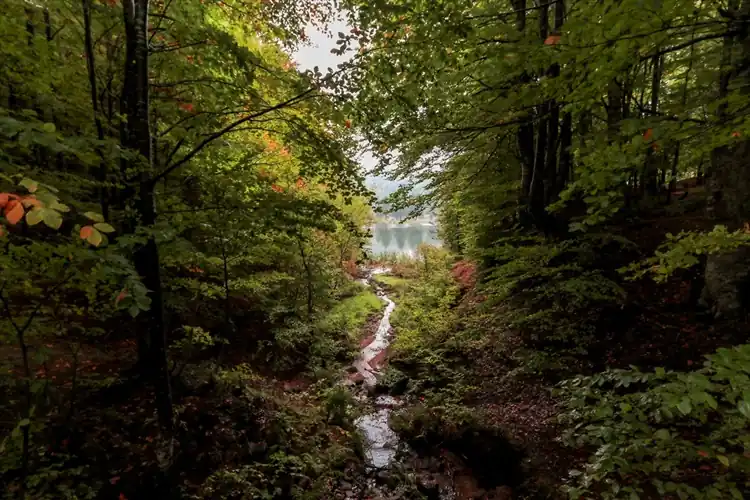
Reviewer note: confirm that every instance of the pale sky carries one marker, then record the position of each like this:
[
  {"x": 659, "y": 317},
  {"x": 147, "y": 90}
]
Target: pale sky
[{"x": 318, "y": 53}]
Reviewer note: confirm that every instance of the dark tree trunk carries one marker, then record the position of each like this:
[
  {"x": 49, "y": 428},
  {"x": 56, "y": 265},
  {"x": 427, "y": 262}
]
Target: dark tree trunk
[
  {"x": 91, "y": 67},
  {"x": 727, "y": 276},
  {"x": 536, "y": 191},
  {"x": 525, "y": 134},
  {"x": 137, "y": 136},
  {"x": 651, "y": 175}
]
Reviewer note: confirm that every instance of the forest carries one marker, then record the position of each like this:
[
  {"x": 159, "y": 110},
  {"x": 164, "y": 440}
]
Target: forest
[{"x": 190, "y": 303}]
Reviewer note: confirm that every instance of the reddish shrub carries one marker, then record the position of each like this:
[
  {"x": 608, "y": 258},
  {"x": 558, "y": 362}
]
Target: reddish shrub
[{"x": 464, "y": 272}]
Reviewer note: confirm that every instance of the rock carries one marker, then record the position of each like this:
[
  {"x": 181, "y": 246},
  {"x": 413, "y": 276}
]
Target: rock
[
  {"x": 386, "y": 477},
  {"x": 356, "y": 378},
  {"x": 501, "y": 493},
  {"x": 727, "y": 280},
  {"x": 351, "y": 369},
  {"x": 466, "y": 486}
]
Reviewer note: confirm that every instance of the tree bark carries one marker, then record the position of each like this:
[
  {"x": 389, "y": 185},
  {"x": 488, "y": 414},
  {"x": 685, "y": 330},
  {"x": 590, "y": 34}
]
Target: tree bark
[
  {"x": 137, "y": 136},
  {"x": 727, "y": 278},
  {"x": 91, "y": 68},
  {"x": 536, "y": 191}
]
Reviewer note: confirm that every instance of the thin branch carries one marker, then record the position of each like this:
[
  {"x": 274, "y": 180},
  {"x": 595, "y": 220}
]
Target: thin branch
[{"x": 227, "y": 129}]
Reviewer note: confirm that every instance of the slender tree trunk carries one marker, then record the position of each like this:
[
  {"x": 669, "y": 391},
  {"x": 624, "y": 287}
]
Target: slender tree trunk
[
  {"x": 91, "y": 67},
  {"x": 308, "y": 272},
  {"x": 536, "y": 192},
  {"x": 525, "y": 134},
  {"x": 651, "y": 176}
]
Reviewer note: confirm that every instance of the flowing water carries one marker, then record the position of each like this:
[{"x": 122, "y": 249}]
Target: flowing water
[{"x": 380, "y": 441}]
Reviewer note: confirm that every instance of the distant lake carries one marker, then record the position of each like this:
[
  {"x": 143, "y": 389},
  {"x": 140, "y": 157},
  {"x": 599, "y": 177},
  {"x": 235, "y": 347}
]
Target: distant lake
[{"x": 401, "y": 238}]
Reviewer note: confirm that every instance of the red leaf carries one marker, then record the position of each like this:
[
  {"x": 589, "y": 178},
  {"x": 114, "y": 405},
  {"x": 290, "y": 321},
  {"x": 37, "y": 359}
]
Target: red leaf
[
  {"x": 121, "y": 296},
  {"x": 187, "y": 107},
  {"x": 648, "y": 134},
  {"x": 348, "y": 124},
  {"x": 114, "y": 480},
  {"x": 552, "y": 40},
  {"x": 702, "y": 453},
  {"x": 300, "y": 183},
  {"x": 3, "y": 199},
  {"x": 122, "y": 497},
  {"x": 736, "y": 134},
  {"x": 277, "y": 188},
  {"x": 86, "y": 231},
  {"x": 14, "y": 211}
]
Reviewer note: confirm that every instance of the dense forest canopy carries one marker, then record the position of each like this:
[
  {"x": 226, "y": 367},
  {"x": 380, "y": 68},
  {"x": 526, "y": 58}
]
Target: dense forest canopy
[{"x": 184, "y": 231}]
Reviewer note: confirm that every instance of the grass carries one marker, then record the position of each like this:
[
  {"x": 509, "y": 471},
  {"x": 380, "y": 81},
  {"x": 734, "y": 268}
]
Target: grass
[
  {"x": 351, "y": 314},
  {"x": 397, "y": 284}
]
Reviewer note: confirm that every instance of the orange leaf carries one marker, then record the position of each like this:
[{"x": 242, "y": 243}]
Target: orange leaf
[
  {"x": 122, "y": 497},
  {"x": 120, "y": 296},
  {"x": 736, "y": 134},
  {"x": 277, "y": 188},
  {"x": 86, "y": 231},
  {"x": 648, "y": 134},
  {"x": 300, "y": 183},
  {"x": 4, "y": 199},
  {"x": 552, "y": 40},
  {"x": 348, "y": 124},
  {"x": 2, "y": 231},
  {"x": 31, "y": 200},
  {"x": 14, "y": 211}
]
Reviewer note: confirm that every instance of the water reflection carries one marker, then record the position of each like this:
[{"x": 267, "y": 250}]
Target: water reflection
[{"x": 401, "y": 238}]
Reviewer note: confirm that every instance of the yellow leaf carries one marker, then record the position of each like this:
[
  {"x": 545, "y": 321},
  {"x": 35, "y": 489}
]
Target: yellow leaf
[
  {"x": 95, "y": 238},
  {"x": 34, "y": 216}
]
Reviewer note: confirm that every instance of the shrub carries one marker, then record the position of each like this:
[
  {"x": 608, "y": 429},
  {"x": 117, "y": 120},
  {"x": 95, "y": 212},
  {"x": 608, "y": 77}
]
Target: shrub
[{"x": 682, "y": 435}]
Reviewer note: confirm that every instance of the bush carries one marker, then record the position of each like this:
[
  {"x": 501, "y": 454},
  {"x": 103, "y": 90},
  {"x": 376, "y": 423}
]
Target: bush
[{"x": 682, "y": 435}]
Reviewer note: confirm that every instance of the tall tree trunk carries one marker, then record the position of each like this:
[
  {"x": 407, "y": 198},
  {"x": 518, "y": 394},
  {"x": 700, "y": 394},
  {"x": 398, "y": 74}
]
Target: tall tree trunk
[
  {"x": 536, "y": 191},
  {"x": 525, "y": 134},
  {"x": 727, "y": 276},
  {"x": 651, "y": 176},
  {"x": 137, "y": 135},
  {"x": 91, "y": 68}
]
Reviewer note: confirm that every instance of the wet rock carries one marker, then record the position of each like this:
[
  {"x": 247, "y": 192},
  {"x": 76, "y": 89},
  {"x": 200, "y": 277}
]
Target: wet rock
[
  {"x": 501, "y": 493},
  {"x": 428, "y": 485},
  {"x": 387, "y": 478}
]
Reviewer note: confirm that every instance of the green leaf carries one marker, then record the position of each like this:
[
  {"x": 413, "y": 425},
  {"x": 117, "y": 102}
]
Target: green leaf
[
  {"x": 744, "y": 408},
  {"x": 35, "y": 216},
  {"x": 30, "y": 185},
  {"x": 52, "y": 218},
  {"x": 94, "y": 216},
  {"x": 25, "y": 422},
  {"x": 662, "y": 434},
  {"x": 60, "y": 207},
  {"x": 724, "y": 460},
  {"x": 49, "y": 128},
  {"x": 685, "y": 407},
  {"x": 104, "y": 227}
]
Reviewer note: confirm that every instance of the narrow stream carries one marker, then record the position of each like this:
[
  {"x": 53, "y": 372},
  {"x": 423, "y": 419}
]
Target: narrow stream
[{"x": 380, "y": 440}]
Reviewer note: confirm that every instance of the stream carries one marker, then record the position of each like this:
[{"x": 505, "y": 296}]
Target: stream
[
  {"x": 381, "y": 441},
  {"x": 393, "y": 469}
]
